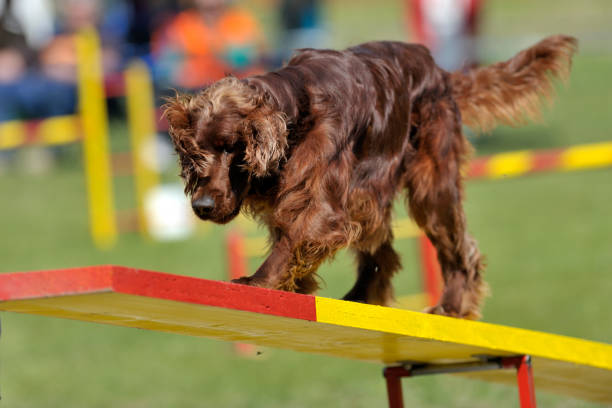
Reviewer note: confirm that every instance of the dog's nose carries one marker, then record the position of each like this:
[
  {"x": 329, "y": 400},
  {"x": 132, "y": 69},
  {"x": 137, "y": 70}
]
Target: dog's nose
[{"x": 203, "y": 205}]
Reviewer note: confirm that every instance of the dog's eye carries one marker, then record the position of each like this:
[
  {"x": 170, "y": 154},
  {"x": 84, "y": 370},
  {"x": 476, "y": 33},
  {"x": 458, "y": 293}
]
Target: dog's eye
[{"x": 225, "y": 148}]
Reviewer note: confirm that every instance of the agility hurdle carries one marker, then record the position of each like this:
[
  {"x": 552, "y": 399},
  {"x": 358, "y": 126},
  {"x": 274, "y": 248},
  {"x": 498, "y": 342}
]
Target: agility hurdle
[
  {"x": 90, "y": 126},
  {"x": 57, "y": 130},
  {"x": 406, "y": 343},
  {"x": 519, "y": 163}
]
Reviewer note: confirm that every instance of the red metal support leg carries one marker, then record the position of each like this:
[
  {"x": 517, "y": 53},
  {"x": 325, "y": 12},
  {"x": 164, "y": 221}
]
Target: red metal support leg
[
  {"x": 393, "y": 376},
  {"x": 524, "y": 376},
  {"x": 522, "y": 364}
]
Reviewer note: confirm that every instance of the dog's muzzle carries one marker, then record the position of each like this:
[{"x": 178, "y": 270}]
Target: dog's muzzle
[{"x": 203, "y": 206}]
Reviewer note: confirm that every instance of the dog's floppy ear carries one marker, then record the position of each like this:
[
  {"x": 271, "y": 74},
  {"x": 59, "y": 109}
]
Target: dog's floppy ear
[
  {"x": 181, "y": 126},
  {"x": 266, "y": 140},
  {"x": 176, "y": 110}
]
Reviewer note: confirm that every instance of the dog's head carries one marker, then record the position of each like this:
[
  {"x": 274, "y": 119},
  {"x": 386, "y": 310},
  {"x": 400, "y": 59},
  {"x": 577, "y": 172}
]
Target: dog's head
[{"x": 224, "y": 136}]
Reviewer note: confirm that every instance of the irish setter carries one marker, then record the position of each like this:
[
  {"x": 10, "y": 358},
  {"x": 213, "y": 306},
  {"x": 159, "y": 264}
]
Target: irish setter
[{"x": 319, "y": 150}]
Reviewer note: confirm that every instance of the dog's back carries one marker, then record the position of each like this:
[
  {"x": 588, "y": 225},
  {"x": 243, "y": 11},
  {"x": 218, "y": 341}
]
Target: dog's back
[
  {"x": 392, "y": 72},
  {"x": 370, "y": 88}
]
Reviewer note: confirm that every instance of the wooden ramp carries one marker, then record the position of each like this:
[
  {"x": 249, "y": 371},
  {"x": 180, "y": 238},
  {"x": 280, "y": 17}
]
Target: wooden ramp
[{"x": 156, "y": 301}]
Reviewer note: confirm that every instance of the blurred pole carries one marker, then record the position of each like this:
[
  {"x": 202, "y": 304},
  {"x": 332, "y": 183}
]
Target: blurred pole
[
  {"x": 236, "y": 257},
  {"x": 237, "y": 268},
  {"x": 432, "y": 277},
  {"x": 92, "y": 108},
  {"x": 142, "y": 126},
  {"x": 58, "y": 130}
]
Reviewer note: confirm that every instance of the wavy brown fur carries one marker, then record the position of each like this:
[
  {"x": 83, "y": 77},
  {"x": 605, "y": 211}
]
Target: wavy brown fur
[
  {"x": 511, "y": 92},
  {"x": 319, "y": 150}
]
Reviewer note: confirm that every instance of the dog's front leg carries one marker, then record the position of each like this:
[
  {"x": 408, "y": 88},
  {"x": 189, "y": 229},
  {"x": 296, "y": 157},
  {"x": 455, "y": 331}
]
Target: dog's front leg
[
  {"x": 305, "y": 224},
  {"x": 274, "y": 268},
  {"x": 290, "y": 268}
]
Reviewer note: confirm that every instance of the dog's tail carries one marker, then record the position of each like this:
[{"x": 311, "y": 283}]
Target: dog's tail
[{"x": 511, "y": 92}]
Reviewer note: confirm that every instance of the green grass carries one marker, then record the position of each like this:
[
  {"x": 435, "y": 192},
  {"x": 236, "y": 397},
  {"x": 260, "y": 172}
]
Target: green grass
[{"x": 547, "y": 239}]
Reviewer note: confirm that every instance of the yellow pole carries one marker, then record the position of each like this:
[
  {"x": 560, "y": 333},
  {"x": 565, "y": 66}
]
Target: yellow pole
[
  {"x": 92, "y": 106},
  {"x": 141, "y": 122}
]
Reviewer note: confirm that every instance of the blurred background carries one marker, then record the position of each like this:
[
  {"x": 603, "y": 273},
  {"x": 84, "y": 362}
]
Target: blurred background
[{"x": 547, "y": 236}]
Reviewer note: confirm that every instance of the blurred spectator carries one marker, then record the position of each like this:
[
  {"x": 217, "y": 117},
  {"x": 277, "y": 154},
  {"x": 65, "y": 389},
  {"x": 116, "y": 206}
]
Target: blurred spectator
[
  {"x": 13, "y": 60},
  {"x": 52, "y": 91},
  {"x": 203, "y": 43},
  {"x": 25, "y": 26},
  {"x": 142, "y": 16},
  {"x": 448, "y": 28},
  {"x": 46, "y": 86},
  {"x": 58, "y": 59},
  {"x": 25, "y": 93},
  {"x": 301, "y": 21},
  {"x": 34, "y": 18}
]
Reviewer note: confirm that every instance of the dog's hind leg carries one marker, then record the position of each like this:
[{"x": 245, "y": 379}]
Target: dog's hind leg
[
  {"x": 435, "y": 193},
  {"x": 374, "y": 273}
]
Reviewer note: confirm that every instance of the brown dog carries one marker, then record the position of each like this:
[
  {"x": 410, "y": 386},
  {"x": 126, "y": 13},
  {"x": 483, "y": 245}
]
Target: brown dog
[{"x": 318, "y": 151}]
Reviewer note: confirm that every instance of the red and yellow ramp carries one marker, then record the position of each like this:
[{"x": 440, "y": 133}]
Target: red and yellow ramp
[{"x": 184, "y": 305}]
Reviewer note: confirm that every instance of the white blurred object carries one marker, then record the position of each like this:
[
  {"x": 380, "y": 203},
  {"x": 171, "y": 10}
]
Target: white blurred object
[
  {"x": 448, "y": 27},
  {"x": 36, "y": 18},
  {"x": 168, "y": 213},
  {"x": 446, "y": 17},
  {"x": 166, "y": 158},
  {"x": 157, "y": 154}
]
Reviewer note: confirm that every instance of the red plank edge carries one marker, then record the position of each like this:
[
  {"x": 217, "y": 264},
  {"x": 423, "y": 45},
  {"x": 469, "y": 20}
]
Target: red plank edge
[{"x": 132, "y": 281}]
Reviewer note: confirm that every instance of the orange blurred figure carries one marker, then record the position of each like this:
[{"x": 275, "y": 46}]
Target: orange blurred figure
[{"x": 205, "y": 42}]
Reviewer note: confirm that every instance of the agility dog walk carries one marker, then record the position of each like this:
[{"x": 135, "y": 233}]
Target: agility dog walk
[{"x": 407, "y": 342}]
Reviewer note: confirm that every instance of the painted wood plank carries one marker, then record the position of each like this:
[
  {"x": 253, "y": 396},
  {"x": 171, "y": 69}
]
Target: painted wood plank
[{"x": 198, "y": 307}]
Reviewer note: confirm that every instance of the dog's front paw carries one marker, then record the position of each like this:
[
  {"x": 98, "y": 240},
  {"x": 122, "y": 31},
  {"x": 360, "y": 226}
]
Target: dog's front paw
[
  {"x": 354, "y": 296},
  {"x": 249, "y": 281},
  {"x": 439, "y": 310}
]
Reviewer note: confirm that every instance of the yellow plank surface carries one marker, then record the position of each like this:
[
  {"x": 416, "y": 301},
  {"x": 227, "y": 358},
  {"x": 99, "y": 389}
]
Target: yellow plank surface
[{"x": 565, "y": 365}]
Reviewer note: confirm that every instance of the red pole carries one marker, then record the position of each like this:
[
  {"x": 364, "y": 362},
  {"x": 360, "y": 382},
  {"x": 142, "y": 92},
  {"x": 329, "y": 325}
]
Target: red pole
[
  {"x": 237, "y": 267},
  {"x": 524, "y": 376},
  {"x": 236, "y": 259},
  {"x": 522, "y": 364},
  {"x": 430, "y": 269},
  {"x": 393, "y": 376},
  {"x": 525, "y": 383}
]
